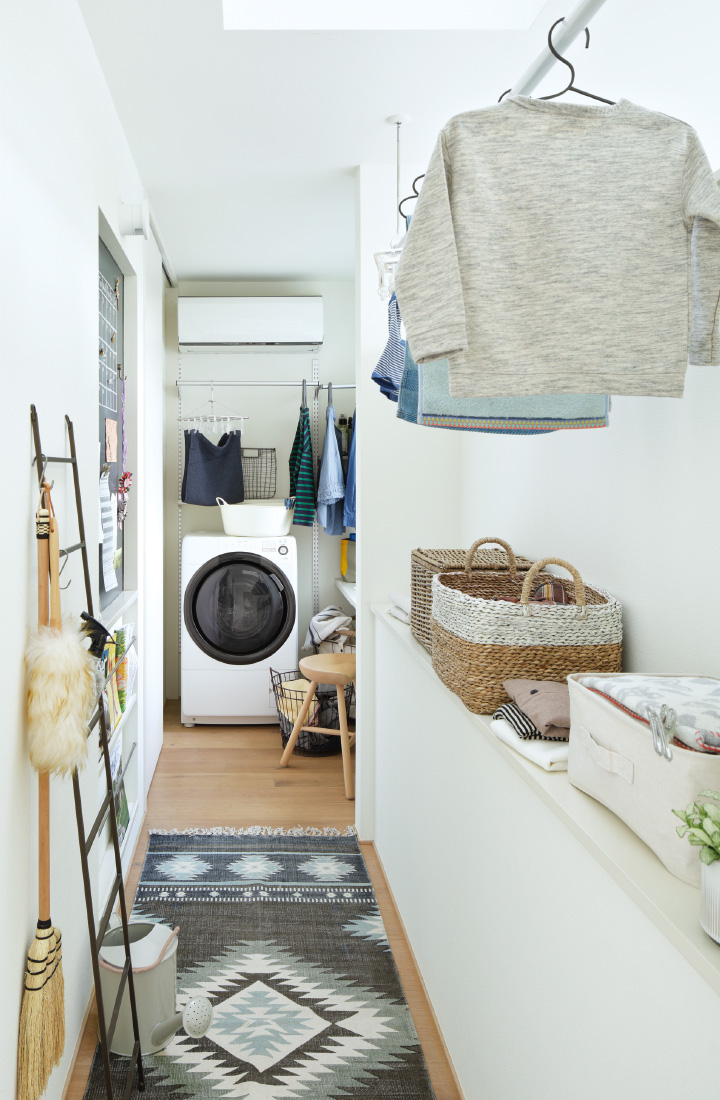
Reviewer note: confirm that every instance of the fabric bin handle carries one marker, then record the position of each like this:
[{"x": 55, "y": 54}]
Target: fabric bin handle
[
  {"x": 538, "y": 566},
  {"x": 609, "y": 761},
  {"x": 512, "y": 561}
]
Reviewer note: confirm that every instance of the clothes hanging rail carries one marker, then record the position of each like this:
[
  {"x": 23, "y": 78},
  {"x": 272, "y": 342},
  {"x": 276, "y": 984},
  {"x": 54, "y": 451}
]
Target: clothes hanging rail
[
  {"x": 264, "y": 382},
  {"x": 571, "y": 26}
]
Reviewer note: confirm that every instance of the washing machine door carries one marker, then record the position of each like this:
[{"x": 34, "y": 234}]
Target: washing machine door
[{"x": 239, "y": 608}]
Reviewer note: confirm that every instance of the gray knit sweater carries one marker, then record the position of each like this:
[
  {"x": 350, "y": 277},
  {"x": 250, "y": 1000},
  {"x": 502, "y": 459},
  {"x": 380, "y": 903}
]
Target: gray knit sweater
[{"x": 555, "y": 248}]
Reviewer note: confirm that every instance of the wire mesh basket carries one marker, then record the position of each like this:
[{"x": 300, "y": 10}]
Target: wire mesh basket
[
  {"x": 259, "y": 467},
  {"x": 342, "y": 641},
  {"x": 289, "y": 689}
]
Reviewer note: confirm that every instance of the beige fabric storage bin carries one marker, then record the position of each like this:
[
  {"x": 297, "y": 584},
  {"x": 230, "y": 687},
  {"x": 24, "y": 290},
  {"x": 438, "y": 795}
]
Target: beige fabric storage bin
[{"x": 612, "y": 758}]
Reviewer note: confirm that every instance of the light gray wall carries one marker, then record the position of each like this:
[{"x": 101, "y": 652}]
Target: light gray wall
[
  {"x": 65, "y": 159},
  {"x": 273, "y": 419}
]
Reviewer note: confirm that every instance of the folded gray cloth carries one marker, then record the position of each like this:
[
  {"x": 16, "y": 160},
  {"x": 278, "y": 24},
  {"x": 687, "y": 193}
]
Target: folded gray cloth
[{"x": 546, "y": 703}]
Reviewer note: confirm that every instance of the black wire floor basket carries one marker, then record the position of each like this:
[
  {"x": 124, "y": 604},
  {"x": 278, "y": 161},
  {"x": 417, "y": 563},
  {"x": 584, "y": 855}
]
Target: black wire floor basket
[{"x": 289, "y": 698}]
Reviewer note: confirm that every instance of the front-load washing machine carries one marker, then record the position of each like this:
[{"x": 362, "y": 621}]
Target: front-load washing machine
[{"x": 239, "y": 618}]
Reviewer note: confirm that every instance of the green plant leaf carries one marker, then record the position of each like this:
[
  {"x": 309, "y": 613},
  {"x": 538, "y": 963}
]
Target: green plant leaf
[
  {"x": 708, "y": 856},
  {"x": 698, "y": 843},
  {"x": 682, "y": 815},
  {"x": 702, "y": 836},
  {"x": 713, "y": 812},
  {"x": 682, "y": 829},
  {"x": 692, "y": 808},
  {"x": 710, "y": 794}
]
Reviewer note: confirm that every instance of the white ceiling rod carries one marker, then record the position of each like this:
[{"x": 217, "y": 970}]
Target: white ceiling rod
[{"x": 573, "y": 25}]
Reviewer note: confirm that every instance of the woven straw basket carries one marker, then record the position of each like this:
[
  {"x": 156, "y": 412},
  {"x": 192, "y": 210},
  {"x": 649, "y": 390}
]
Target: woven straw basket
[
  {"x": 426, "y": 563},
  {"x": 480, "y": 639}
]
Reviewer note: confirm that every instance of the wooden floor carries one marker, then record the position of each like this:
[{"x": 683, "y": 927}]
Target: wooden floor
[{"x": 229, "y": 775}]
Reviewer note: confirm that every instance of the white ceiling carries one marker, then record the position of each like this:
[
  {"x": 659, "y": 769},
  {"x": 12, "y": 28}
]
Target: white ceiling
[{"x": 247, "y": 140}]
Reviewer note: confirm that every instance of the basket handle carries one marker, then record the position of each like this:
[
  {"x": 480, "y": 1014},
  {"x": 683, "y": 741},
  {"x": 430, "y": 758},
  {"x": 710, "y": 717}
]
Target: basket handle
[
  {"x": 536, "y": 568},
  {"x": 221, "y": 502},
  {"x": 512, "y": 560}
]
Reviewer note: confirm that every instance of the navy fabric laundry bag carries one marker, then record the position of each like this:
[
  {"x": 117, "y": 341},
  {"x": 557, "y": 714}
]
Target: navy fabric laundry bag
[{"x": 212, "y": 470}]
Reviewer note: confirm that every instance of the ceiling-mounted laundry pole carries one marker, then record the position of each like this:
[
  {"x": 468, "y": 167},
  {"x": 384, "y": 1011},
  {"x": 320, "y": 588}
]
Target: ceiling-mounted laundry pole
[{"x": 571, "y": 26}]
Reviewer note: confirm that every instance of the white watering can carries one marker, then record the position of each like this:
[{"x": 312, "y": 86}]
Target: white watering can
[{"x": 153, "y": 950}]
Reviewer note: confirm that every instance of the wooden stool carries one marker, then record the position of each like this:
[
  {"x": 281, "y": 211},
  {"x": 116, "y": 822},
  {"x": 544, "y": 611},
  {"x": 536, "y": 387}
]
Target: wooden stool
[{"x": 327, "y": 668}]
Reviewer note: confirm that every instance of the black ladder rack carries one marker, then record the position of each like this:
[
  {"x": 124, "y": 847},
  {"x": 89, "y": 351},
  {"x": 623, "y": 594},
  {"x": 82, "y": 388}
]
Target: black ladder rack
[{"x": 86, "y": 840}]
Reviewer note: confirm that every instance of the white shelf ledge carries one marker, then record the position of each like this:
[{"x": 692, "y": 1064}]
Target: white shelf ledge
[
  {"x": 348, "y": 589},
  {"x": 117, "y": 609},
  {"x": 672, "y": 905}
]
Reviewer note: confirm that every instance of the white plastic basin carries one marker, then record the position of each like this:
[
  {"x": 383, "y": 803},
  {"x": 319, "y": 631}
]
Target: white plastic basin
[{"x": 256, "y": 517}]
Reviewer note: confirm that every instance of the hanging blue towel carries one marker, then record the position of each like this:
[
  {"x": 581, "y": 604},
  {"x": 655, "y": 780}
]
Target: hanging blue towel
[
  {"x": 331, "y": 484},
  {"x": 389, "y": 369},
  {"x": 350, "y": 486}
]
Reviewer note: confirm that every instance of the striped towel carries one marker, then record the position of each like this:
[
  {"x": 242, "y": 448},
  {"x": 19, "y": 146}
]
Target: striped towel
[
  {"x": 302, "y": 479},
  {"x": 389, "y": 369},
  {"x": 522, "y": 725}
]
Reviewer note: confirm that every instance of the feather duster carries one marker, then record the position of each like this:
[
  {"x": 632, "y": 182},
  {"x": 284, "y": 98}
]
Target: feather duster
[{"x": 61, "y": 694}]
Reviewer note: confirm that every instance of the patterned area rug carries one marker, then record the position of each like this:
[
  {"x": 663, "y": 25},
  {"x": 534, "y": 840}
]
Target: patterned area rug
[{"x": 284, "y": 935}]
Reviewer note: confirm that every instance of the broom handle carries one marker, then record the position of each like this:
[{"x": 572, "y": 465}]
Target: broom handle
[
  {"x": 43, "y": 777},
  {"x": 54, "y": 541}
]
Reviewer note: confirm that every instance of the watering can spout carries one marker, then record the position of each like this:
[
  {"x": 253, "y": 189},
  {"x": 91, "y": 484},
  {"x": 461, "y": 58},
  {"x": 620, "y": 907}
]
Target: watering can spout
[{"x": 196, "y": 1018}]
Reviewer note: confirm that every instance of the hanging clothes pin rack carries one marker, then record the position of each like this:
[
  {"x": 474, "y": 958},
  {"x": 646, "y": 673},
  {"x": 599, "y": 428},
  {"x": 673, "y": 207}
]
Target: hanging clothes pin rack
[{"x": 106, "y": 1029}]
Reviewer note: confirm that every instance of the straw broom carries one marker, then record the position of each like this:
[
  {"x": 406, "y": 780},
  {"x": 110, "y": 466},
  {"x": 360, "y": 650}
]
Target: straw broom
[{"x": 42, "y": 1019}]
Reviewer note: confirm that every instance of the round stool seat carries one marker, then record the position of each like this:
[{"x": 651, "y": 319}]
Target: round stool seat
[{"x": 329, "y": 668}]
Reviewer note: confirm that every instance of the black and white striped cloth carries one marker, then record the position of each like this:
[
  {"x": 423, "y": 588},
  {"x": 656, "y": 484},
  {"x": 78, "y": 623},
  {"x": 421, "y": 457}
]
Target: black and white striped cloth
[{"x": 521, "y": 723}]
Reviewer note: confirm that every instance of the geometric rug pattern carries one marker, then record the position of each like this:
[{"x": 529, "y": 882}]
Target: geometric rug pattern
[{"x": 284, "y": 936}]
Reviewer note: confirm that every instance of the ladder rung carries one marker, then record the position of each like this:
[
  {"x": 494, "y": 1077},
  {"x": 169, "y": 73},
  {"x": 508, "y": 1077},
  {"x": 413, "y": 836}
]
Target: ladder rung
[
  {"x": 72, "y": 549},
  {"x": 98, "y": 822},
  {"x": 105, "y": 808},
  {"x": 131, "y": 1071},
  {"x": 116, "y": 1006},
  {"x": 108, "y": 910}
]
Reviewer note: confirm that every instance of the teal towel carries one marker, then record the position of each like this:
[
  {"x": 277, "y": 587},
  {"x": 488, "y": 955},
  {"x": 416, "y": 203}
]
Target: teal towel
[{"x": 436, "y": 408}]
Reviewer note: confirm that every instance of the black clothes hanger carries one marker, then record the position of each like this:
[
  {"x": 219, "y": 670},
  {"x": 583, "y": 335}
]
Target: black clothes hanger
[
  {"x": 409, "y": 198},
  {"x": 571, "y": 86},
  {"x": 304, "y": 404}
]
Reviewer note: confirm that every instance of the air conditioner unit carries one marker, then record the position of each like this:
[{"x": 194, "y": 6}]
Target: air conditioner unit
[{"x": 250, "y": 324}]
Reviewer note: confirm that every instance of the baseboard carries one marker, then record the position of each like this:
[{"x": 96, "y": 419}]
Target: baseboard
[
  {"x": 418, "y": 970},
  {"x": 91, "y": 1002},
  {"x": 78, "y": 1045}
]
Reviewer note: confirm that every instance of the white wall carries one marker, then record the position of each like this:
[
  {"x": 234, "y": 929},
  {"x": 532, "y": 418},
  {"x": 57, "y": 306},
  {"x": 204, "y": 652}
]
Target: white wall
[
  {"x": 407, "y": 478},
  {"x": 273, "y": 419},
  {"x": 547, "y": 980},
  {"x": 633, "y": 506},
  {"x": 64, "y": 158},
  {"x": 152, "y": 431}
]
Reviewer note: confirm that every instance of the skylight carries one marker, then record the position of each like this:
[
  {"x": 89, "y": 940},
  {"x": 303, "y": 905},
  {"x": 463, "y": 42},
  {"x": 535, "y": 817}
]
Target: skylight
[{"x": 379, "y": 15}]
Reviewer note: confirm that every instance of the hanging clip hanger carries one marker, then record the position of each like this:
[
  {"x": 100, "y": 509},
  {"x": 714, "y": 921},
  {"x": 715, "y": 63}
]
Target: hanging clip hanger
[
  {"x": 330, "y": 400},
  {"x": 304, "y": 394},
  {"x": 571, "y": 87}
]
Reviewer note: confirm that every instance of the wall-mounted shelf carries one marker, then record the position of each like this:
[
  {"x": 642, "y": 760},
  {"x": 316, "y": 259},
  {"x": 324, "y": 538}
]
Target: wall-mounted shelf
[{"x": 348, "y": 589}]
